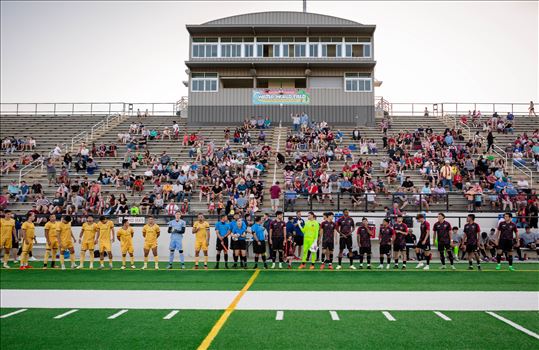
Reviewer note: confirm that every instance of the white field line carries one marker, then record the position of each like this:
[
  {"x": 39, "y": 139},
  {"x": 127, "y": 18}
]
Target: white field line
[
  {"x": 13, "y": 313},
  {"x": 65, "y": 314},
  {"x": 170, "y": 315},
  {"x": 334, "y": 315},
  {"x": 514, "y": 325},
  {"x": 116, "y": 315},
  {"x": 442, "y": 316},
  {"x": 388, "y": 316},
  {"x": 268, "y": 300},
  {"x": 279, "y": 316}
]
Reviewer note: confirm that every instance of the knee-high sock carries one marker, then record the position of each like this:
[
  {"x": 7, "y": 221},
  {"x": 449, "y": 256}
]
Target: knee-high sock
[
  {"x": 382, "y": 259},
  {"x": 171, "y": 257},
  {"x": 62, "y": 259},
  {"x": 368, "y": 259},
  {"x": 442, "y": 257},
  {"x": 123, "y": 259},
  {"x": 45, "y": 258},
  {"x": 182, "y": 259},
  {"x": 81, "y": 260},
  {"x": 72, "y": 259},
  {"x": 450, "y": 256},
  {"x": 280, "y": 256}
]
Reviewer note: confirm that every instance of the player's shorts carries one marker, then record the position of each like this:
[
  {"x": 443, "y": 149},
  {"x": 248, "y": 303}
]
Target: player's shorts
[
  {"x": 471, "y": 248},
  {"x": 506, "y": 245},
  {"x": 298, "y": 240},
  {"x": 345, "y": 243},
  {"x": 385, "y": 249},
  {"x": 399, "y": 246},
  {"x": 328, "y": 244},
  {"x": 6, "y": 241},
  {"x": 425, "y": 247},
  {"x": 127, "y": 247},
  {"x": 278, "y": 243},
  {"x": 27, "y": 247},
  {"x": 104, "y": 246},
  {"x": 54, "y": 245},
  {"x": 89, "y": 245},
  {"x": 219, "y": 246},
  {"x": 67, "y": 245},
  {"x": 240, "y": 244},
  {"x": 176, "y": 242},
  {"x": 14, "y": 242},
  {"x": 365, "y": 250},
  {"x": 200, "y": 245},
  {"x": 259, "y": 248},
  {"x": 443, "y": 246}
]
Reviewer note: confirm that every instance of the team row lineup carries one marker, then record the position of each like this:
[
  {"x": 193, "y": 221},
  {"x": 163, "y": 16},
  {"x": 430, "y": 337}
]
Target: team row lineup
[{"x": 309, "y": 238}]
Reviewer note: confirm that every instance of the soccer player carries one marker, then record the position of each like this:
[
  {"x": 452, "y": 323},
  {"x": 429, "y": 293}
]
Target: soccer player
[
  {"x": 105, "y": 235},
  {"x": 327, "y": 236},
  {"x": 66, "y": 241},
  {"x": 201, "y": 232},
  {"x": 51, "y": 235},
  {"x": 364, "y": 242},
  {"x": 345, "y": 227},
  {"x": 399, "y": 242},
  {"x": 443, "y": 232},
  {"x": 222, "y": 231},
  {"x": 151, "y": 232},
  {"x": 28, "y": 240},
  {"x": 310, "y": 236},
  {"x": 276, "y": 238},
  {"x": 7, "y": 232},
  {"x": 238, "y": 230},
  {"x": 423, "y": 245},
  {"x": 87, "y": 241},
  {"x": 125, "y": 237},
  {"x": 176, "y": 228},
  {"x": 385, "y": 236},
  {"x": 298, "y": 234},
  {"x": 471, "y": 241},
  {"x": 504, "y": 240},
  {"x": 259, "y": 245}
]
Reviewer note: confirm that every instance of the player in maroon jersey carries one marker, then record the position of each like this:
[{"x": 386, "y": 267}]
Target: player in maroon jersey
[
  {"x": 276, "y": 238},
  {"x": 423, "y": 244},
  {"x": 399, "y": 242},
  {"x": 364, "y": 242},
  {"x": 504, "y": 240},
  {"x": 385, "y": 236},
  {"x": 443, "y": 232},
  {"x": 327, "y": 238},
  {"x": 345, "y": 227},
  {"x": 471, "y": 240}
]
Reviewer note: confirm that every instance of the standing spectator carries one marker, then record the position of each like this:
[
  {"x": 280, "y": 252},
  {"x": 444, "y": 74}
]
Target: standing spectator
[{"x": 531, "y": 110}]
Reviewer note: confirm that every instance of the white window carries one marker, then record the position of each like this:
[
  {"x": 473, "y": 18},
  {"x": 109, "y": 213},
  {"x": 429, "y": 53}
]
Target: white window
[
  {"x": 248, "y": 50},
  {"x": 204, "y": 50},
  {"x": 358, "y": 50},
  {"x": 299, "y": 50},
  {"x": 230, "y": 50},
  {"x": 313, "y": 50},
  {"x": 357, "y": 82},
  {"x": 331, "y": 50},
  {"x": 204, "y": 81}
]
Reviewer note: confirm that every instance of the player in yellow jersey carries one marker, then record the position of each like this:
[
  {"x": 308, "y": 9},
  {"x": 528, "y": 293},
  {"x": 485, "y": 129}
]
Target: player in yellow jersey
[
  {"x": 201, "y": 231},
  {"x": 105, "y": 235},
  {"x": 151, "y": 232},
  {"x": 7, "y": 232},
  {"x": 125, "y": 236},
  {"x": 51, "y": 235},
  {"x": 28, "y": 239},
  {"x": 87, "y": 241},
  {"x": 66, "y": 241}
]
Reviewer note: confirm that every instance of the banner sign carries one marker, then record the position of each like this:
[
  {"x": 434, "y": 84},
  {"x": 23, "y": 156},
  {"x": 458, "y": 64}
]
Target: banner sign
[
  {"x": 133, "y": 219},
  {"x": 281, "y": 96}
]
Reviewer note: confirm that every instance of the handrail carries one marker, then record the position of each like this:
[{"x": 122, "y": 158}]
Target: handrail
[
  {"x": 33, "y": 165},
  {"x": 101, "y": 125}
]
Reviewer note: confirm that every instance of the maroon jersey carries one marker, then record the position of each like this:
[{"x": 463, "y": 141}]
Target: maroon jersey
[
  {"x": 277, "y": 228},
  {"x": 345, "y": 225},
  {"x": 424, "y": 229},
  {"x": 328, "y": 231},
  {"x": 386, "y": 233},
  {"x": 507, "y": 230},
  {"x": 364, "y": 237},
  {"x": 471, "y": 231},
  {"x": 442, "y": 230},
  {"x": 399, "y": 237}
]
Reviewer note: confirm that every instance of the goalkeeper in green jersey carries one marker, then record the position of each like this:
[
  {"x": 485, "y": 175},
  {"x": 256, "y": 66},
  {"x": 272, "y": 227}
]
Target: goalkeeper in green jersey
[{"x": 310, "y": 231}]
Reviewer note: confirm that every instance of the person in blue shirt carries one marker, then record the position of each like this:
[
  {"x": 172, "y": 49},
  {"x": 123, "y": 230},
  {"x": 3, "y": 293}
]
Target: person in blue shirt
[
  {"x": 176, "y": 228},
  {"x": 259, "y": 236},
  {"x": 222, "y": 230},
  {"x": 239, "y": 245}
]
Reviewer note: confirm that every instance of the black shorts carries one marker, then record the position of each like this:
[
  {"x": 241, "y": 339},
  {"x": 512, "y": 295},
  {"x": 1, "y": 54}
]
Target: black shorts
[
  {"x": 365, "y": 250},
  {"x": 345, "y": 243},
  {"x": 259, "y": 248},
  {"x": 240, "y": 244},
  {"x": 298, "y": 240},
  {"x": 328, "y": 245},
  {"x": 444, "y": 246},
  {"x": 277, "y": 243},
  {"x": 471, "y": 248},
  {"x": 385, "y": 249},
  {"x": 399, "y": 247},
  {"x": 506, "y": 245},
  {"x": 219, "y": 246},
  {"x": 425, "y": 247},
  {"x": 14, "y": 242}
]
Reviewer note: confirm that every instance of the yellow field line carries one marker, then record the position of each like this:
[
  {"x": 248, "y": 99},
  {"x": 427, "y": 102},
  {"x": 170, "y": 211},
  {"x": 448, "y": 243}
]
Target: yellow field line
[{"x": 229, "y": 310}]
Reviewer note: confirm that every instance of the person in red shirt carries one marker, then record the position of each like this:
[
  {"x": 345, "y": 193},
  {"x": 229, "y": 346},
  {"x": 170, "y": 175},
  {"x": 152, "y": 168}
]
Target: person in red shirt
[{"x": 423, "y": 245}]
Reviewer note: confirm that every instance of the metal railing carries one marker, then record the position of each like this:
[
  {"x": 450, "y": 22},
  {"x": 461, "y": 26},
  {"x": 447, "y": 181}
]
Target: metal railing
[{"x": 102, "y": 125}]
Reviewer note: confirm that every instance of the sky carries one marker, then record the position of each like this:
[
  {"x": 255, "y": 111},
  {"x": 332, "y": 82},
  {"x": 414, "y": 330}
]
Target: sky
[{"x": 135, "y": 51}]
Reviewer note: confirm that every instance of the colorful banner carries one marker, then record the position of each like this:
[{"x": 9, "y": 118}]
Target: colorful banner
[{"x": 281, "y": 96}]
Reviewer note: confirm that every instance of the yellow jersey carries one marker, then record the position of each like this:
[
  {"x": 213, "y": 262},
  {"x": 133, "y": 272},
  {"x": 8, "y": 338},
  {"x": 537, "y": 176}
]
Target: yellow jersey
[
  {"x": 65, "y": 232},
  {"x": 29, "y": 228},
  {"x": 88, "y": 232},
  {"x": 104, "y": 230},
  {"x": 52, "y": 228},
  {"x": 125, "y": 236},
  {"x": 6, "y": 227},
  {"x": 202, "y": 233},
  {"x": 151, "y": 233}
]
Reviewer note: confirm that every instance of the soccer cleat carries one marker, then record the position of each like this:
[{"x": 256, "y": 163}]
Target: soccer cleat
[
  {"x": 323, "y": 266},
  {"x": 330, "y": 267},
  {"x": 339, "y": 267},
  {"x": 302, "y": 266},
  {"x": 395, "y": 267},
  {"x": 470, "y": 267},
  {"x": 361, "y": 266},
  {"x": 169, "y": 266},
  {"x": 226, "y": 266},
  {"x": 255, "y": 266},
  {"x": 144, "y": 267},
  {"x": 280, "y": 265},
  {"x": 79, "y": 267},
  {"x": 28, "y": 267},
  {"x": 196, "y": 267},
  {"x": 6, "y": 266},
  {"x": 110, "y": 267},
  {"x": 74, "y": 266},
  {"x": 123, "y": 267},
  {"x": 101, "y": 267},
  {"x": 388, "y": 266},
  {"x": 33, "y": 258},
  {"x": 63, "y": 267},
  {"x": 133, "y": 266},
  {"x": 156, "y": 267},
  {"x": 442, "y": 267},
  {"x": 273, "y": 265},
  {"x": 91, "y": 266},
  {"x": 404, "y": 267},
  {"x": 453, "y": 267},
  {"x": 368, "y": 267},
  {"x": 205, "y": 267},
  {"x": 22, "y": 268},
  {"x": 352, "y": 267},
  {"x": 289, "y": 266},
  {"x": 478, "y": 267},
  {"x": 380, "y": 267},
  {"x": 499, "y": 267},
  {"x": 419, "y": 265},
  {"x": 312, "y": 267},
  {"x": 511, "y": 268},
  {"x": 427, "y": 267}
]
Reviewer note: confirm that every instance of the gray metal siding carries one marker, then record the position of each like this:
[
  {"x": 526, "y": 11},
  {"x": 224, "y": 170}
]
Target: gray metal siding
[
  {"x": 326, "y": 82},
  {"x": 282, "y": 17}
]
